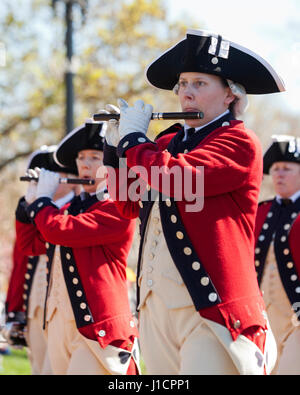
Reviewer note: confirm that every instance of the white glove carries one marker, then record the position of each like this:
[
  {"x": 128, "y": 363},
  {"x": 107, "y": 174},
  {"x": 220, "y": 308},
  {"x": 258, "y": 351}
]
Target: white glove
[
  {"x": 30, "y": 195},
  {"x": 134, "y": 119},
  {"x": 48, "y": 183},
  {"x": 112, "y": 133}
]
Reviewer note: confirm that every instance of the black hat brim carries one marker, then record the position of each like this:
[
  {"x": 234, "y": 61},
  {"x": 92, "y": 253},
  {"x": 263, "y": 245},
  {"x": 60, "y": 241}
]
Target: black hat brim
[
  {"x": 44, "y": 159},
  {"x": 192, "y": 55},
  {"x": 86, "y": 136}
]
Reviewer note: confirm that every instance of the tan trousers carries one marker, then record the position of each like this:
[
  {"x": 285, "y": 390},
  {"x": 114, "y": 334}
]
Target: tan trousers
[
  {"x": 178, "y": 341},
  {"x": 37, "y": 345},
  {"x": 71, "y": 353},
  {"x": 284, "y": 324}
]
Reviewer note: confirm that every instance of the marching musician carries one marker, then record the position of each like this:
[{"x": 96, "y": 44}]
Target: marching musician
[
  {"x": 27, "y": 286},
  {"x": 277, "y": 250},
  {"x": 89, "y": 325},
  {"x": 200, "y": 307}
]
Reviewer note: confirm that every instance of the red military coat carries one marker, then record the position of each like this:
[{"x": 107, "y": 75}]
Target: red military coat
[
  {"x": 14, "y": 304},
  {"x": 282, "y": 225},
  {"x": 221, "y": 235},
  {"x": 94, "y": 248}
]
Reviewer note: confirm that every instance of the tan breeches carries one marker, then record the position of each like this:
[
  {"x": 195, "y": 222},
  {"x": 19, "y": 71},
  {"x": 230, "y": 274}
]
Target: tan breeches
[
  {"x": 37, "y": 344},
  {"x": 178, "y": 341},
  {"x": 70, "y": 353},
  {"x": 287, "y": 333}
]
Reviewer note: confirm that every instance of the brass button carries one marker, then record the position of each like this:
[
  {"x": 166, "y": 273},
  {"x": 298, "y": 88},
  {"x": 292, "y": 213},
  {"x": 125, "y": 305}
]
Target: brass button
[{"x": 179, "y": 235}]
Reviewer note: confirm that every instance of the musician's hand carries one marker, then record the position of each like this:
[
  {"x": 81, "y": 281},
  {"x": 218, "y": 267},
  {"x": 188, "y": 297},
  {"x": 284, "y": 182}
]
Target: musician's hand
[
  {"x": 30, "y": 195},
  {"x": 112, "y": 133},
  {"x": 134, "y": 119},
  {"x": 48, "y": 183},
  {"x": 14, "y": 333}
]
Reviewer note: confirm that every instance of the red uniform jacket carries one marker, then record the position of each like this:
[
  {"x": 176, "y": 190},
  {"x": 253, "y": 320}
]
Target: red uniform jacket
[
  {"x": 14, "y": 298},
  {"x": 94, "y": 248},
  {"x": 282, "y": 225},
  {"x": 222, "y": 234}
]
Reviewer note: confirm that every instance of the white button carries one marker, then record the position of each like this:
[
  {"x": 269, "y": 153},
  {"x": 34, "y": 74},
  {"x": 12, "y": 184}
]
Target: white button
[
  {"x": 27, "y": 276},
  {"x": 102, "y": 333},
  {"x": 168, "y": 202},
  {"x": 32, "y": 214},
  {"x": 257, "y": 250},
  {"x": 270, "y": 214},
  {"x": 68, "y": 256},
  {"x": 187, "y": 251},
  {"x": 141, "y": 139},
  {"x": 297, "y": 290},
  {"x": 174, "y": 219},
  {"x": 215, "y": 60},
  {"x": 71, "y": 269},
  {"x": 47, "y": 245},
  {"x": 66, "y": 212},
  {"x": 265, "y": 226},
  {"x": 79, "y": 294},
  {"x": 290, "y": 265},
  {"x": 82, "y": 306},
  {"x": 196, "y": 265},
  {"x": 204, "y": 281},
  {"x": 186, "y": 151},
  {"x": 150, "y": 283},
  {"x": 131, "y": 323},
  {"x": 286, "y": 251},
  {"x": 283, "y": 239},
  {"x": 294, "y": 215},
  {"x": 287, "y": 226},
  {"x": 212, "y": 297},
  {"x": 75, "y": 281},
  {"x": 237, "y": 324},
  {"x": 87, "y": 318},
  {"x": 294, "y": 277},
  {"x": 125, "y": 144},
  {"x": 141, "y": 204},
  {"x": 261, "y": 238},
  {"x": 40, "y": 204},
  {"x": 225, "y": 124}
]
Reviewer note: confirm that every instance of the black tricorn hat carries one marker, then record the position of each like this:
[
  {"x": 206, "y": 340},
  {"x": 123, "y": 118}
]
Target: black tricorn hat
[
  {"x": 284, "y": 148},
  {"x": 43, "y": 157},
  {"x": 206, "y": 52},
  {"x": 86, "y": 136}
]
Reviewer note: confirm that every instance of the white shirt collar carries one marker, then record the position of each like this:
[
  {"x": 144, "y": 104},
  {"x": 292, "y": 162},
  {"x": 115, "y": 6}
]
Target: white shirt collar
[
  {"x": 186, "y": 127},
  {"x": 294, "y": 197},
  {"x": 65, "y": 199}
]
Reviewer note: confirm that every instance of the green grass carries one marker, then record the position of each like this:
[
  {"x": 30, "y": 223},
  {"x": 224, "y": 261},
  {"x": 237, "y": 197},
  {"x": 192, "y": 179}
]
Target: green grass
[{"x": 16, "y": 363}]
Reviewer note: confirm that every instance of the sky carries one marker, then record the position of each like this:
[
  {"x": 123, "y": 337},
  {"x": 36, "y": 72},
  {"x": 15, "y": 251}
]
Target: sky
[{"x": 269, "y": 28}]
